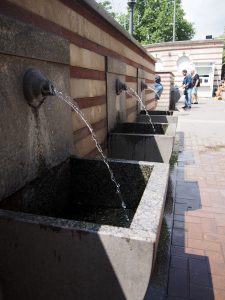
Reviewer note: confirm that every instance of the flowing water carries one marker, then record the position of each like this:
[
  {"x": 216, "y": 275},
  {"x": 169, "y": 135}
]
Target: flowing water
[
  {"x": 150, "y": 88},
  {"x": 75, "y": 107},
  {"x": 132, "y": 93}
]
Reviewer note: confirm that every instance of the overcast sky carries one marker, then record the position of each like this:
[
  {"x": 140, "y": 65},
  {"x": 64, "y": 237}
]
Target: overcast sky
[{"x": 208, "y": 16}]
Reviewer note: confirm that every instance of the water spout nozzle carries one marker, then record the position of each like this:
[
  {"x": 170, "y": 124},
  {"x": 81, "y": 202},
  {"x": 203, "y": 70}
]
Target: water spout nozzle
[
  {"x": 144, "y": 86},
  {"x": 120, "y": 86},
  {"x": 36, "y": 87},
  {"x": 48, "y": 89}
]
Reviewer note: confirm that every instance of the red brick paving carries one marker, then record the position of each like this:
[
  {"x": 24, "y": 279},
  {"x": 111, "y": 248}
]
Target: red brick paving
[{"x": 197, "y": 265}]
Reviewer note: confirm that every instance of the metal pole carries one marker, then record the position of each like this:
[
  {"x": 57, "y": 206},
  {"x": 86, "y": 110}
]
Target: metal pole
[
  {"x": 174, "y": 21},
  {"x": 131, "y": 5},
  {"x": 131, "y": 21}
]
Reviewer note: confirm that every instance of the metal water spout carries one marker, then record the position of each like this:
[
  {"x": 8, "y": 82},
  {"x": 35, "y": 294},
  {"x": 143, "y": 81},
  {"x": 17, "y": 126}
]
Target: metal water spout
[
  {"x": 120, "y": 86},
  {"x": 36, "y": 87},
  {"x": 144, "y": 86}
]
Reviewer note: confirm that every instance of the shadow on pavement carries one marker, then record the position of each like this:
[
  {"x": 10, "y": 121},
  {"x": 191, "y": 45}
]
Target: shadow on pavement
[{"x": 181, "y": 271}]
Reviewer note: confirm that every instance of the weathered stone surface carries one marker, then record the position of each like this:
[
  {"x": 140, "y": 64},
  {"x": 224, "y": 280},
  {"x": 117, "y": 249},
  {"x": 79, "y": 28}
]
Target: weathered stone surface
[
  {"x": 116, "y": 104},
  {"x": 118, "y": 67},
  {"x": 31, "y": 139},
  {"x": 24, "y": 40}
]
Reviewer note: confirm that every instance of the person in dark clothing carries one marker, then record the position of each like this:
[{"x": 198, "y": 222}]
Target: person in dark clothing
[
  {"x": 195, "y": 85},
  {"x": 187, "y": 86}
]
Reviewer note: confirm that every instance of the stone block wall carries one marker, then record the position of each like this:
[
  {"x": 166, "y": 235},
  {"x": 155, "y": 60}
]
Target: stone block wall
[
  {"x": 32, "y": 140},
  {"x": 94, "y": 37},
  {"x": 147, "y": 95},
  {"x": 167, "y": 80}
]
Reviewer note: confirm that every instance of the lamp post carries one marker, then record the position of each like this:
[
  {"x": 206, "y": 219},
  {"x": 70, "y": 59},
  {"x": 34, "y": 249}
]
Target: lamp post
[
  {"x": 174, "y": 21},
  {"x": 131, "y": 5}
]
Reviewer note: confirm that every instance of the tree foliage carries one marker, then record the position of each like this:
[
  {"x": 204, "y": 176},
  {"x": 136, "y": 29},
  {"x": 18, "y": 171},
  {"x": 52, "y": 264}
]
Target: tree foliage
[
  {"x": 106, "y": 4},
  {"x": 153, "y": 22},
  {"x": 123, "y": 19}
]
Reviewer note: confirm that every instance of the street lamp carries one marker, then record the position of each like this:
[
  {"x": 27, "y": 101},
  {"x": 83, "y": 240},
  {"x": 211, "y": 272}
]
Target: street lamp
[
  {"x": 174, "y": 21},
  {"x": 131, "y": 5}
]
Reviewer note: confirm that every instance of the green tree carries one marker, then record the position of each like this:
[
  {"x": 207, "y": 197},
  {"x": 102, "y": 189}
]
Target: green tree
[
  {"x": 108, "y": 7},
  {"x": 153, "y": 21},
  {"x": 123, "y": 19}
]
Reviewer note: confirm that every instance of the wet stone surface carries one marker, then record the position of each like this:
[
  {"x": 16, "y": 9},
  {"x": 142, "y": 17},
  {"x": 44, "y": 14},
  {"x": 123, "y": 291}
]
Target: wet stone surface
[
  {"x": 158, "y": 112},
  {"x": 106, "y": 216},
  {"x": 48, "y": 194},
  {"x": 94, "y": 188},
  {"x": 82, "y": 190},
  {"x": 159, "y": 279}
]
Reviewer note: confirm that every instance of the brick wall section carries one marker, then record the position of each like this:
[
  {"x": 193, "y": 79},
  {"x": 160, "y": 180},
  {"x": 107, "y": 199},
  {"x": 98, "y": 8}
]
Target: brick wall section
[{"x": 92, "y": 40}]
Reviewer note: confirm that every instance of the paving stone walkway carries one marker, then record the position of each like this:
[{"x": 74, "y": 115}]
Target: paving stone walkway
[{"x": 197, "y": 254}]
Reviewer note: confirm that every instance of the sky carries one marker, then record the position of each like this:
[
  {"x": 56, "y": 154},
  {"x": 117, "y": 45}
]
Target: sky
[{"x": 208, "y": 16}]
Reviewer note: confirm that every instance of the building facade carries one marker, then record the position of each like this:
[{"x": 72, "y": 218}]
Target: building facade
[{"x": 203, "y": 55}]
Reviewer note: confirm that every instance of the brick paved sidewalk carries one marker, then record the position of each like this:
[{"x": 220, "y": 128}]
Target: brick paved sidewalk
[{"x": 197, "y": 262}]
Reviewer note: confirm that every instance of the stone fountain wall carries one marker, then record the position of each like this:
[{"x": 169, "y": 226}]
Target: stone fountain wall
[
  {"x": 94, "y": 39},
  {"x": 32, "y": 140},
  {"x": 78, "y": 47},
  {"x": 167, "y": 79}
]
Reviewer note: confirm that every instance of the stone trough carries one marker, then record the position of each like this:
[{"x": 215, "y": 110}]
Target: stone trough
[
  {"x": 65, "y": 236},
  {"x": 158, "y": 112},
  {"x": 142, "y": 118},
  {"x": 142, "y": 142},
  {"x": 157, "y": 116}
]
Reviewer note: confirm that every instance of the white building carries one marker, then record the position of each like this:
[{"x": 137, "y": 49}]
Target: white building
[{"x": 205, "y": 56}]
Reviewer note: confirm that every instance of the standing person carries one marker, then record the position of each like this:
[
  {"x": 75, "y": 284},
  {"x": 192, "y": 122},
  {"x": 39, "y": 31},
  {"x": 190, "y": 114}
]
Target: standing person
[
  {"x": 195, "y": 85},
  {"x": 220, "y": 89},
  {"x": 158, "y": 89},
  {"x": 187, "y": 86}
]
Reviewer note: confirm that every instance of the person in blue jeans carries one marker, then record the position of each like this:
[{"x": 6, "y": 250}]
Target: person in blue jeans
[{"x": 187, "y": 86}]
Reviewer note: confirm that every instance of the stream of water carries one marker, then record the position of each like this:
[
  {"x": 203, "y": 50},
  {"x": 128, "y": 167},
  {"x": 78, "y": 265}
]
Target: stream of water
[
  {"x": 150, "y": 88},
  {"x": 75, "y": 107},
  {"x": 134, "y": 94}
]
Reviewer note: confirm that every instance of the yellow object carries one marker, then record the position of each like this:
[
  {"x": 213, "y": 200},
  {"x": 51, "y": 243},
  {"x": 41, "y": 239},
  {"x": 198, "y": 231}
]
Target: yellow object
[{"x": 217, "y": 98}]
